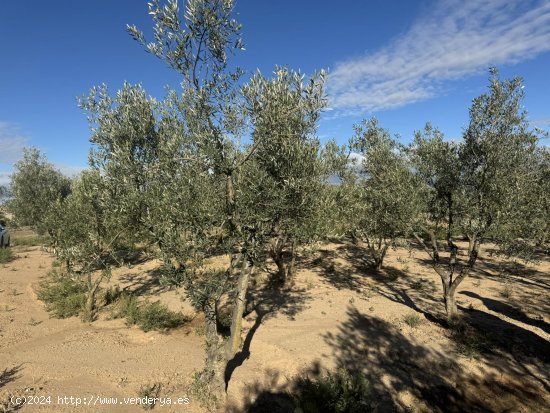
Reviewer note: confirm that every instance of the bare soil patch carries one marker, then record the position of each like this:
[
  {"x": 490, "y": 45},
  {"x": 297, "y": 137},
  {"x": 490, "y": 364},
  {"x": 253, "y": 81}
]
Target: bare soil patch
[{"x": 338, "y": 313}]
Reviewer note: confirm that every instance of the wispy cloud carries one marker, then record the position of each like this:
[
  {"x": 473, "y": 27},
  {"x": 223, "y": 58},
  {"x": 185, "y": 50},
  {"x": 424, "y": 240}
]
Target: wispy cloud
[
  {"x": 70, "y": 170},
  {"x": 12, "y": 143},
  {"x": 455, "y": 39},
  {"x": 541, "y": 122}
]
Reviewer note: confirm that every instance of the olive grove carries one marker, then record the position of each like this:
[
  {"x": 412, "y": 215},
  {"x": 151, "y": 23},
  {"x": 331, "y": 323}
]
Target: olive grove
[{"x": 230, "y": 167}]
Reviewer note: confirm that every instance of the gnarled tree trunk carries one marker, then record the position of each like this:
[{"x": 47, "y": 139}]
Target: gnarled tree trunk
[
  {"x": 89, "y": 308},
  {"x": 449, "y": 290},
  {"x": 449, "y": 281},
  {"x": 285, "y": 271},
  {"x": 213, "y": 373},
  {"x": 276, "y": 254},
  {"x": 377, "y": 252},
  {"x": 234, "y": 342}
]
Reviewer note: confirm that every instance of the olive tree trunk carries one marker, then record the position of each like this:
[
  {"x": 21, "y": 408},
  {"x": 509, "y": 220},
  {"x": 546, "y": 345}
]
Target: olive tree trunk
[
  {"x": 451, "y": 273},
  {"x": 276, "y": 254},
  {"x": 93, "y": 287},
  {"x": 285, "y": 271},
  {"x": 377, "y": 251},
  {"x": 234, "y": 342},
  {"x": 213, "y": 374}
]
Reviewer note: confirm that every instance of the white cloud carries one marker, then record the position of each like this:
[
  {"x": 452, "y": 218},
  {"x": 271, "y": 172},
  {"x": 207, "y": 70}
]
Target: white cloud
[
  {"x": 541, "y": 122},
  {"x": 12, "y": 143},
  {"x": 67, "y": 170},
  {"x": 70, "y": 171},
  {"x": 453, "y": 40}
]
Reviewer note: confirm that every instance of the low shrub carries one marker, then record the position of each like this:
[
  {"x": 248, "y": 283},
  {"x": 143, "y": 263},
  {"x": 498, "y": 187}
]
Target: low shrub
[
  {"x": 112, "y": 295},
  {"x": 412, "y": 320},
  {"x": 126, "y": 306},
  {"x": 30, "y": 241},
  {"x": 340, "y": 392},
  {"x": 470, "y": 342},
  {"x": 156, "y": 316},
  {"x": 63, "y": 295},
  {"x": 147, "y": 395},
  {"x": 201, "y": 390},
  {"x": 148, "y": 316},
  {"x": 506, "y": 291},
  {"x": 6, "y": 255}
]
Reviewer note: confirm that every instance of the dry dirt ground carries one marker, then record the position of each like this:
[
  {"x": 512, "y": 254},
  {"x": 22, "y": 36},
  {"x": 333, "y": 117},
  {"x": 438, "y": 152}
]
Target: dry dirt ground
[{"x": 337, "y": 313}]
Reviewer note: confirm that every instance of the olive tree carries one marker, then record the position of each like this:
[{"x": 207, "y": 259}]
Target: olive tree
[
  {"x": 540, "y": 221},
  {"x": 479, "y": 188},
  {"x": 161, "y": 186},
  {"x": 182, "y": 168},
  {"x": 35, "y": 185},
  {"x": 383, "y": 192},
  {"x": 288, "y": 161},
  {"x": 211, "y": 116},
  {"x": 84, "y": 230},
  {"x": 4, "y": 195},
  {"x": 125, "y": 145}
]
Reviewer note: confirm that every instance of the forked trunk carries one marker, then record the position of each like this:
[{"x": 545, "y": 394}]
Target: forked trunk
[
  {"x": 89, "y": 309},
  {"x": 285, "y": 271},
  {"x": 450, "y": 302},
  {"x": 447, "y": 272},
  {"x": 378, "y": 255},
  {"x": 450, "y": 286},
  {"x": 471, "y": 243},
  {"x": 276, "y": 252},
  {"x": 277, "y": 256},
  {"x": 234, "y": 341}
]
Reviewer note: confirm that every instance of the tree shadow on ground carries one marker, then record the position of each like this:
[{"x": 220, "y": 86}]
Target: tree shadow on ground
[
  {"x": 349, "y": 267},
  {"x": 423, "y": 295},
  {"x": 399, "y": 286},
  {"x": 267, "y": 302},
  {"x": 332, "y": 267},
  {"x": 128, "y": 257},
  {"x": 417, "y": 293},
  {"x": 525, "y": 287},
  {"x": 509, "y": 311},
  {"x": 403, "y": 376},
  {"x": 9, "y": 375},
  {"x": 393, "y": 364},
  {"x": 271, "y": 395},
  {"x": 517, "y": 351},
  {"x": 144, "y": 283},
  {"x": 494, "y": 264}
]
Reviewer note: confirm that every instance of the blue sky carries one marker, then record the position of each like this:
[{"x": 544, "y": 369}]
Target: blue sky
[{"x": 406, "y": 62}]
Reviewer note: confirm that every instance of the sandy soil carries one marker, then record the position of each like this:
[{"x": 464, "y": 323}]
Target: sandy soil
[{"x": 337, "y": 313}]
